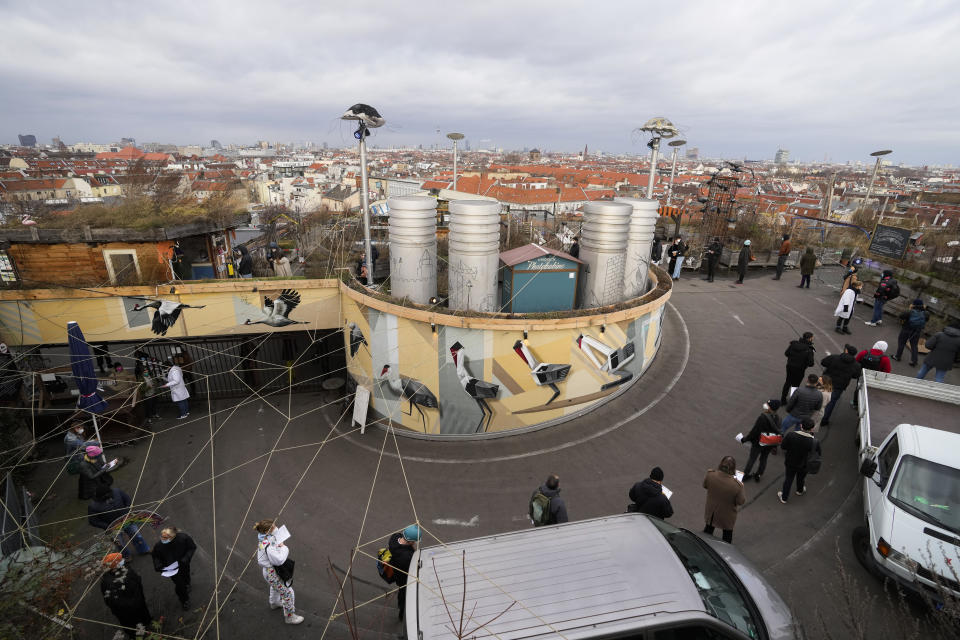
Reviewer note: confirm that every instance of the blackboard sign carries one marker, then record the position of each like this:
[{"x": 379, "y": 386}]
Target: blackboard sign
[{"x": 890, "y": 242}]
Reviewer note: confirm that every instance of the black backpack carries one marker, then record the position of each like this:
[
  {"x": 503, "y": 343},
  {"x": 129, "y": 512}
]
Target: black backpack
[{"x": 871, "y": 361}]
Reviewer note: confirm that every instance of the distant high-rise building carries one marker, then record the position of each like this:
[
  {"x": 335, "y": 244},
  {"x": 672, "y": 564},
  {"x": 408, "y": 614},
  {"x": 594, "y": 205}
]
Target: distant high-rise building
[
  {"x": 782, "y": 157},
  {"x": 27, "y": 140},
  {"x": 585, "y": 152},
  {"x": 58, "y": 143},
  {"x": 693, "y": 153},
  {"x": 128, "y": 142},
  {"x": 216, "y": 144}
]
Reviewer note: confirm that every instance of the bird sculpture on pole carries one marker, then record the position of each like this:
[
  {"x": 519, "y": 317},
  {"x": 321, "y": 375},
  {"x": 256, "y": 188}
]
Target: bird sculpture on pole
[
  {"x": 412, "y": 390},
  {"x": 277, "y": 310},
  {"x": 167, "y": 312},
  {"x": 477, "y": 389},
  {"x": 544, "y": 374}
]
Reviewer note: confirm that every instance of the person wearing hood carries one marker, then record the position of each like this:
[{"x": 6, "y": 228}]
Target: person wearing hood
[
  {"x": 281, "y": 265},
  {"x": 714, "y": 249},
  {"x": 808, "y": 263},
  {"x": 782, "y": 256},
  {"x": 875, "y": 358},
  {"x": 244, "y": 262},
  {"x": 725, "y": 496},
  {"x": 799, "y": 355},
  {"x": 122, "y": 591},
  {"x": 744, "y": 261},
  {"x": 107, "y": 507},
  {"x": 944, "y": 347},
  {"x": 401, "y": 546},
  {"x": 648, "y": 496},
  {"x": 887, "y": 290},
  {"x": 842, "y": 369},
  {"x": 556, "y": 509},
  {"x": 844, "y": 310},
  {"x": 767, "y": 425},
  {"x": 912, "y": 322}
]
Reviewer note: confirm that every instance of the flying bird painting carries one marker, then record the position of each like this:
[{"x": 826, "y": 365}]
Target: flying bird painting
[
  {"x": 167, "y": 312},
  {"x": 356, "y": 339},
  {"x": 607, "y": 358},
  {"x": 277, "y": 310},
  {"x": 477, "y": 389},
  {"x": 544, "y": 374}
]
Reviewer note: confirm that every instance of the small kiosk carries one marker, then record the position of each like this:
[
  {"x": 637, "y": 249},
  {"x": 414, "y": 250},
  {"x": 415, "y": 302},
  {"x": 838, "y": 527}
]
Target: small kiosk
[{"x": 538, "y": 279}]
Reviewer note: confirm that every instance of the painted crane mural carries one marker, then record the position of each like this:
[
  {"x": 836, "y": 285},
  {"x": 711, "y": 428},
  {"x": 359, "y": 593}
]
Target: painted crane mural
[
  {"x": 412, "y": 390},
  {"x": 477, "y": 389},
  {"x": 544, "y": 374},
  {"x": 608, "y": 359},
  {"x": 167, "y": 312}
]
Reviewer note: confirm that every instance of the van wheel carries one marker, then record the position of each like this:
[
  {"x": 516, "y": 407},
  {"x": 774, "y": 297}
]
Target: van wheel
[{"x": 861, "y": 548}]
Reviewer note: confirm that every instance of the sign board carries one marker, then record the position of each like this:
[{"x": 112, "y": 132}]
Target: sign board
[
  {"x": 361, "y": 401},
  {"x": 890, "y": 242}
]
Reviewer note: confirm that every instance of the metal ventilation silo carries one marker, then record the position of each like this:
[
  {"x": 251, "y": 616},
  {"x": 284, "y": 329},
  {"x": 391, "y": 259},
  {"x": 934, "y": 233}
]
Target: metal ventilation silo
[
  {"x": 603, "y": 244},
  {"x": 643, "y": 224},
  {"x": 474, "y": 243},
  {"x": 413, "y": 247}
]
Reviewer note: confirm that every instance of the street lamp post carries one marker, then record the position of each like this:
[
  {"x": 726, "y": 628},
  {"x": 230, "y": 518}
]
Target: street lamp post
[
  {"x": 676, "y": 144},
  {"x": 366, "y": 117},
  {"x": 878, "y": 155},
  {"x": 658, "y": 128},
  {"x": 455, "y": 137}
]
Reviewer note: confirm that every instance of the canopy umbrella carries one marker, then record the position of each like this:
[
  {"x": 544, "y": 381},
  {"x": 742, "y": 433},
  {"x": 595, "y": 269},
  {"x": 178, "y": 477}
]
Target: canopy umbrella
[{"x": 81, "y": 363}]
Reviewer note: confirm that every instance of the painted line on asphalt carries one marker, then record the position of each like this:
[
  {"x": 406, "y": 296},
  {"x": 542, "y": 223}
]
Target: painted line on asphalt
[
  {"x": 472, "y": 522},
  {"x": 573, "y": 443},
  {"x": 821, "y": 300},
  {"x": 737, "y": 318}
]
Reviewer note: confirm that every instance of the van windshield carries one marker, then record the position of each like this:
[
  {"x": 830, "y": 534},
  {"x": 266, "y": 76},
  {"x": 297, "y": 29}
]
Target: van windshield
[
  {"x": 929, "y": 491},
  {"x": 723, "y": 596}
]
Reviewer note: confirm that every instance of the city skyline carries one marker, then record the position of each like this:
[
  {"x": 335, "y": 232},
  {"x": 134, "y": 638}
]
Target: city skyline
[{"x": 836, "y": 82}]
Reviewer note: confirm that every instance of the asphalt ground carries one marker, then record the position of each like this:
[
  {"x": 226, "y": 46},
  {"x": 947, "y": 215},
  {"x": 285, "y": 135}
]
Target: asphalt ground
[{"x": 292, "y": 455}]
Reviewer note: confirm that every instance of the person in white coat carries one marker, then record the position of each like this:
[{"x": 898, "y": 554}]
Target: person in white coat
[
  {"x": 844, "y": 310},
  {"x": 270, "y": 555},
  {"x": 178, "y": 390}
]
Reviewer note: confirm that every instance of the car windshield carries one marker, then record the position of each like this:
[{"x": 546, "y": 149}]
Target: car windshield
[
  {"x": 929, "y": 491},
  {"x": 723, "y": 596}
]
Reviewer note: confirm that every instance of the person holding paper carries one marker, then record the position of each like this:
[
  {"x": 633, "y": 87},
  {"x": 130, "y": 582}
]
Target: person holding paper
[
  {"x": 271, "y": 553},
  {"x": 175, "y": 548},
  {"x": 725, "y": 495},
  {"x": 93, "y": 472},
  {"x": 648, "y": 496},
  {"x": 768, "y": 425}
]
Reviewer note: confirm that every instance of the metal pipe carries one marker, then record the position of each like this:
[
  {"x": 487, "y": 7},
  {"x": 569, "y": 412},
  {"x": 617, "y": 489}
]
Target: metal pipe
[
  {"x": 454, "y": 165},
  {"x": 673, "y": 173},
  {"x": 654, "y": 154},
  {"x": 365, "y": 201},
  {"x": 873, "y": 177}
]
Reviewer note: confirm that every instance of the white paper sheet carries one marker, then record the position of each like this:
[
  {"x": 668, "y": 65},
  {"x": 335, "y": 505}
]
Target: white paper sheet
[
  {"x": 738, "y": 475},
  {"x": 666, "y": 491},
  {"x": 739, "y": 438},
  {"x": 171, "y": 570},
  {"x": 282, "y": 534}
]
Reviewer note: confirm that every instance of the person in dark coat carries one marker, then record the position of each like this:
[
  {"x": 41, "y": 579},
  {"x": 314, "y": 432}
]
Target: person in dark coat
[
  {"x": 656, "y": 250},
  {"x": 887, "y": 290},
  {"x": 725, "y": 495},
  {"x": 808, "y": 263},
  {"x": 944, "y": 347},
  {"x": 804, "y": 402},
  {"x": 744, "y": 261},
  {"x": 93, "y": 473},
  {"x": 108, "y": 505},
  {"x": 767, "y": 423},
  {"x": 714, "y": 249},
  {"x": 676, "y": 251},
  {"x": 558, "y": 508},
  {"x": 648, "y": 496},
  {"x": 175, "y": 546},
  {"x": 402, "y": 545},
  {"x": 797, "y": 446},
  {"x": 799, "y": 355},
  {"x": 244, "y": 262},
  {"x": 912, "y": 322},
  {"x": 782, "y": 255},
  {"x": 575, "y": 248},
  {"x": 122, "y": 592},
  {"x": 842, "y": 369}
]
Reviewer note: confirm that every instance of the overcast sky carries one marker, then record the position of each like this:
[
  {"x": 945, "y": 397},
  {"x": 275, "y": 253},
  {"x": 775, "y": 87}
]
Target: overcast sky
[{"x": 822, "y": 79}]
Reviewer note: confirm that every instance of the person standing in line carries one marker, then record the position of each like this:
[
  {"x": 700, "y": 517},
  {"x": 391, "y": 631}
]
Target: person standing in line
[
  {"x": 148, "y": 389},
  {"x": 122, "y": 592},
  {"x": 648, "y": 496},
  {"x": 849, "y": 278},
  {"x": 844, "y": 310},
  {"x": 175, "y": 547},
  {"x": 665, "y": 255},
  {"x": 270, "y": 555},
  {"x": 842, "y": 369},
  {"x": 178, "y": 390},
  {"x": 782, "y": 256},
  {"x": 677, "y": 250},
  {"x": 575, "y": 248},
  {"x": 93, "y": 473},
  {"x": 107, "y": 506},
  {"x": 244, "y": 262},
  {"x": 797, "y": 446},
  {"x": 887, "y": 290},
  {"x": 746, "y": 256},
  {"x": 804, "y": 403},
  {"x": 102, "y": 352},
  {"x": 714, "y": 249},
  {"x": 548, "y": 502},
  {"x": 808, "y": 264},
  {"x": 656, "y": 250},
  {"x": 725, "y": 495},
  {"x": 401, "y": 546},
  {"x": 74, "y": 442},
  {"x": 875, "y": 358},
  {"x": 768, "y": 425},
  {"x": 281, "y": 266},
  {"x": 944, "y": 347},
  {"x": 799, "y": 355},
  {"x": 912, "y": 322}
]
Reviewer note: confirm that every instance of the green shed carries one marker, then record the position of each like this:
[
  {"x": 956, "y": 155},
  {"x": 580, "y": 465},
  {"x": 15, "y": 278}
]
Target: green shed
[{"x": 536, "y": 279}]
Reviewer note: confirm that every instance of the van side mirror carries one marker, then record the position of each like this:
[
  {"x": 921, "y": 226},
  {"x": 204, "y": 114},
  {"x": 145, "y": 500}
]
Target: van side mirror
[{"x": 868, "y": 468}]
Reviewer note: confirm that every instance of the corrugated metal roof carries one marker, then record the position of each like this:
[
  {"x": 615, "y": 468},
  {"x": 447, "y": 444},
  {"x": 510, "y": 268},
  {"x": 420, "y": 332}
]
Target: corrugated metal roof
[{"x": 531, "y": 251}]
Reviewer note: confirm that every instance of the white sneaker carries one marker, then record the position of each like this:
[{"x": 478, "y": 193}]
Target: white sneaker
[
  {"x": 293, "y": 619},
  {"x": 870, "y": 324}
]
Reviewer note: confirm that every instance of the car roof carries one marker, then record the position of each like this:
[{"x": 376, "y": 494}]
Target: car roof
[
  {"x": 935, "y": 445},
  {"x": 580, "y": 578}
]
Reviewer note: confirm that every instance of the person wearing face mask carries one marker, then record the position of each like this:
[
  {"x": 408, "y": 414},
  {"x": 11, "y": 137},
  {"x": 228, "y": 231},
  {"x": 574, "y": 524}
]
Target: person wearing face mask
[
  {"x": 122, "y": 592},
  {"x": 768, "y": 426},
  {"x": 175, "y": 547},
  {"x": 270, "y": 555},
  {"x": 74, "y": 442}
]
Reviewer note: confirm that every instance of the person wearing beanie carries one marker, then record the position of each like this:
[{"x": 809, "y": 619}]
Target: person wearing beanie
[
  {"x": 768, "y": 426},
  {"x": 875, "y": 358},
  {"x": 842, "y": 369},
  {"x": 270, "y": 555},
  {"x": 648, "y": 497},
  {"x": 552, "y": 507},
  {"x": 93, "y": 473},
  {"x": 799, "y": 355},
  {"x": 944, "y": 347},
  {"x": 808, "y": 264},
  {"x": 402, "y": 545},
  {"x": 912, "y": 323},
  {"x": 744, "y": 261},
  {"x": 797, "y": 446},
  {"x": 108, "y": 505},
  {"x": 725, "y": 495},
  {"x": 782, "y": 256},
  {"x": 122, "y": 591},
  {"x": 887, "y": 290}
]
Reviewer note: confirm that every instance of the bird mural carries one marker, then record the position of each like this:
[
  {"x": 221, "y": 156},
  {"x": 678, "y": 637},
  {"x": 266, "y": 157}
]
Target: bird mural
[
  {"x": 277, "y": 310},
  {"x": 412, "y": 390},
  {"x": 167, "y": 312},
  {"x": 366, "y": 114},
  {"x": 607, "y": 358},
  {"x": 356, "y": 339},
  {"x": 477, "y": 389},
  {"x": 544, "y": 374}
]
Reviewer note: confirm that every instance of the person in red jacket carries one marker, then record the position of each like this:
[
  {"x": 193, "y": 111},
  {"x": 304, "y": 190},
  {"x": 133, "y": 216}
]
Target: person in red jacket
[{"x": 875, "y": 357}]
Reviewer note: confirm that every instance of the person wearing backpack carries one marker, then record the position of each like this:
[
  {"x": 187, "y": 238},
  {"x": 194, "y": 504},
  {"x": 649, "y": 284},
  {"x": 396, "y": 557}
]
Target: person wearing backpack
[
  {"x": 401, "y": 548},
  {"x": 913, "y": 320},
  {"x": 762, "y": 439},
  {"x": 887, "y": 290},
  {"x": 801, "y": 456},
  {"x": 271, "y": 555},
  {"x": 874, "y": 358},
  {"x": 648, "y": 496},
  {"x": 944, "y": 348},
  {"x": 799, "y": 355},
  {"x": 546, "y": 505}
]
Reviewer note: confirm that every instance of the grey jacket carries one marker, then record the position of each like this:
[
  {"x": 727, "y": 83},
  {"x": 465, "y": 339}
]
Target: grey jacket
[
  {"x": 805, "y": 402},
  {"x": 943, "y": 349}
]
